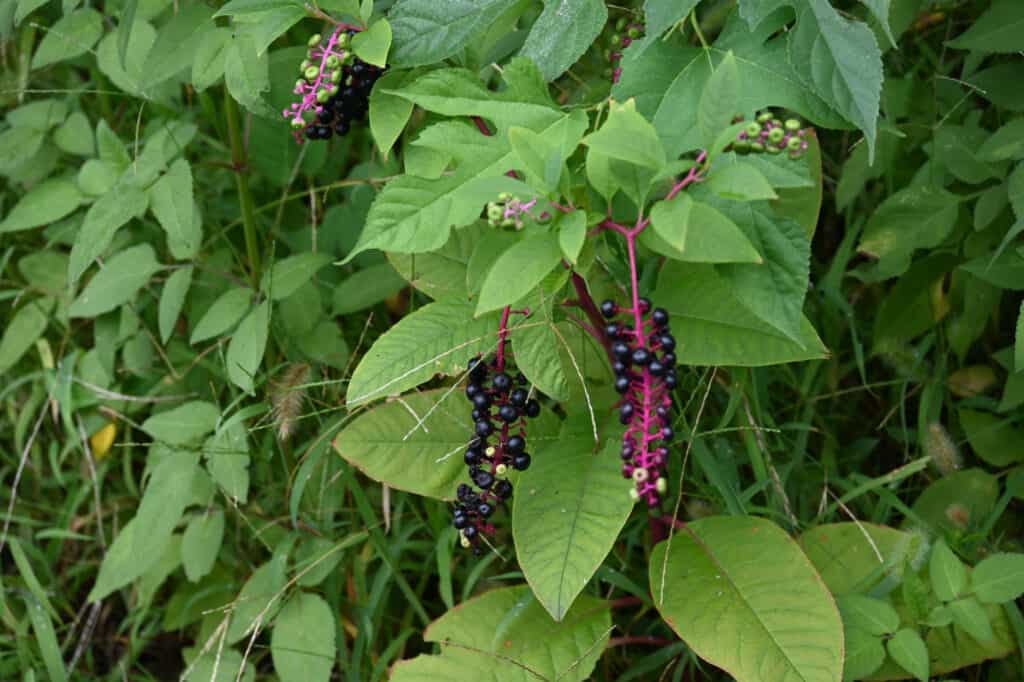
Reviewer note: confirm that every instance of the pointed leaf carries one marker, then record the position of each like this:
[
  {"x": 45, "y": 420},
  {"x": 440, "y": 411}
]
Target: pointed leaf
[
  {"x": 562, "y": 33},
  {"x": 947, "y": 573},
  {"x": 518, "y": 270},
  {"x": 302, "y": 644},
  {"x": 118, "y": 281},
  {"x": 201, "y": 544},
  {"x": 245, "y": 351},
  {"x": 909, "y": 651},
  {"x": 172, "y": 299},
  {"x": 999, "y": 578}
]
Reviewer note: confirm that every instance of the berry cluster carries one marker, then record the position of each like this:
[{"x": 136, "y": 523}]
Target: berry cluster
[
  {"x": 645, "y": 371},
  {"x": 501, "y": 404},
  {"x": 508, "y": 211},
  {"x": 771, "y": 135},
  {"x": 625, "y": 34},
  {"x": 334, "y": 88}
]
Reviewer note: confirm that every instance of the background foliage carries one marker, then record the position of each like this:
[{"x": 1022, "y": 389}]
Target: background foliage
[{"x": 200, "y": 316}]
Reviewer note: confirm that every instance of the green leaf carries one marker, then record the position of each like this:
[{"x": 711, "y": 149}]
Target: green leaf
[
  {"x": 366, "y": 288},
  {"x": 442, "y": 273},
  {"x": 287, "y": 275},
  {"x": 569, "y": 508},
  {"x": 503, "y": 633},
  {"x": 128, "y": 73},
  {"x": 864, "y": 653},
  {"x": 999, "y": 29},
  {"x": 73, "y": 35},
  {"x": 227, "y": 460},
  {"x": 390, "y": 444},
  {"x": 172, "y": 299},
  {"x": 117, "y": 283},
  {"x": 851, "y": 556},
  {"x": 841, "y": 60},
  {"x": 225, "y": 312},
  {"x": 315, "y": 560},
  {"x": 973, "y": 491},
  {"x": 201, "y": 543},
  {"x": 178, "y": 41},
  {"x": 412, "y": 215},
  {"x": 909, "y": 651},
  {"x": 572, "y": 232},
  {"x": 969, "y": 615},
  {"x": 245, "y": 351},
  {"x": 627, "y": 136},
  {"x": 518, "y": 270},
  {"x": 390, "y": 113},
  {"x": 947, "y": 573},
  {"x": 918, "y": 217},
  {"x": 534, "y": 340},
  {"x": 75, "y": 136},
  {"x": 1018, "y": 348},
  {"x": 698, "y": 233},
  {"x": 999, "y": 578},
  {"x": 718, "y": 102},
  {"x": 47, "y": 202},
  {"x": 171, "y": 200},
  {"x": 210, "y": 57},
  {"x": 562, "y": 33},
  {"x": 1005, "y": 271},
  {"x": 184, "y": 424},
  {"x": 46, "y": 638},
  {"x": 247, "y": 74},
  {"x": 102, "y": 221},
  {"x": 302, "y": 643},
  {"x": 219, "y": 665},
  {"x": 243, "y": 7},
  {"x": 438, "y": 338},
  {"x": 426, "y": 32},
  {"x": 259, "y": 599},
  {"x": 774, "y": 290},
  {"x": 873, "y": 616},
  {"x": 372, "y": 45},
  {"x": 22, "y": 329},
  {"x": 754, "y": 619},
  {"x": 740, "y": 182},
  {"x": 661, "y": 15},
  {"x": 1004, "y": 144},
  {"x": 325, "y": 344},
  {"x": 141, "y": 541},
  {"x": 714, "y": 328},
  {"x": 994, "y": 439}
]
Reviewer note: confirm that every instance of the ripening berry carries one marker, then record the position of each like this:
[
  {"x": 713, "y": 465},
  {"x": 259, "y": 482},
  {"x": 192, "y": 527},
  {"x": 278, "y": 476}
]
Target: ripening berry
[
  {"x": 753, "y": 129},
  {"x": 469, "y": 532}
]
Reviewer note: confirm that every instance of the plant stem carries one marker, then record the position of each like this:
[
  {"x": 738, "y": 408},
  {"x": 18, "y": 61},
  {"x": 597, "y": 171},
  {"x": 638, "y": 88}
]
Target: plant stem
[
  {"x": 502, "y": 336},
  {"x": 240, "y": 163},
  {"x": 593, "y": 314}
]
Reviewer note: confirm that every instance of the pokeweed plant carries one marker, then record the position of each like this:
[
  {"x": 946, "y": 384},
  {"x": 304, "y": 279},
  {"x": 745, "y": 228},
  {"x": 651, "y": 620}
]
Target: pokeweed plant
[{"x": 598, "y": 223}]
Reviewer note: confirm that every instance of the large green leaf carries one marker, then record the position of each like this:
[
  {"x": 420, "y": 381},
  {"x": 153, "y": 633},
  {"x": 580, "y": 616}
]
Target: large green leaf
[
  {"x": 22, "y": 329},
  {"x": 426, "y": 31},
  {"x": 140, "y": 543},
  {"x": 999, "y": 29},
  {"x": 102, "y": 221},
  {"x": 536, "y": 343},
  {"x": 247, "y": 74},
  {"x": 840, "y": 59},
  {"x": 288, "y": 274},
  {"x": 570, "y": 506},
  {"x": 696, "y": 232},
  {"x": 851, "y": 557},
  {"x": 47, "y": 202},
  {"x": 259, "y": 599},
  {"x": 224, "y": 314},
  {"x": 994, "y": 439},
  {"x": 172, "y": 299},
  {"x": 245, "y": 351},
  {"x": 717, "y": 105},
  {"x": 439, "y": 338},
  {"x": 757, "y": 619},
  {"x": 74, "y": 34},
  {"x": 714, "y": 328},
  {"x": 442, "y": 273},
  {"x": 663, "y": 14},
  {"x": 627, "y": 136},
  {"x": 505, "y": 635},
  {"x": 121, "y": 277},
  {"x": 178, "y": 41},
  {"x": 302, "y": 644},
  {"x": 416, "y": 443},
  {"x": 518, "y": 270},
  {"x": 183, "y": 424},
  {"x": 999, "y": 578},
  {"x": 201, "y": 543},
  {"x": 562, "y": 33},
  {"x": 171, "y": 200}
]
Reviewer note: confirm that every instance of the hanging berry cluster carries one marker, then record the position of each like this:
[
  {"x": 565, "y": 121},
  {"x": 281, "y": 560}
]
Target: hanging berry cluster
[
  {"x": 501, "y": 405},
  {"x": 334, "y": 88},
  {"x": 645, "y": 371},
  {"x": 625, "y": 33},
  {"x": 771, "y": 135}
]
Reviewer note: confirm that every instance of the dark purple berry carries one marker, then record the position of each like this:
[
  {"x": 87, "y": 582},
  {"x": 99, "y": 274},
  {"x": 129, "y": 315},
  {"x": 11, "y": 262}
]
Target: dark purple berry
[
  {"x": 469, "y": 532},
  {"x": 482, "y": 401},
  {"x": 622, "y": 384},
  {"x": 515, "y": 444},
  {"x": 484, "y": 428},
  {"x": 484, "y": 479},
  {"x": 484, "y": 509},
  {"x": 503, "y": 489},
  {"x": 507, "y": 413},
  {"x": 621, "y": 351},
  {"x": 619, "y": 367},
  {"x": 641, "y": 356},
  {"x": 667, "y": 433},
  {"x": 501, "y": 381},
  {"x": 613, "y": 330},
  {"x": 668, "y": 342},
  {"x": 645, "y": 305},
  {"x": 656, "y": 368},
  {"x": 518, "y": 397},
  {"x": 462, "y": 491},
  {"x": 532, "y": 409},
  {"x": 668, "y": 359},
  {"x": 472, "y": 457},
  {"x": 626, "y": 413},
  {"x": 521, "y": 462},
  {"x": 460, "y": 521},
  {"x": 609, "y": 308}
]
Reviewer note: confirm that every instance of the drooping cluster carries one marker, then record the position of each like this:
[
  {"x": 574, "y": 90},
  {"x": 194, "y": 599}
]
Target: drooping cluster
[
  {"x": 501, "y": 405},
  {"x": 334, "y": 87},
  {"x": 508, "y": 211},
  {"x": 772, "y": 135},
  {"x": 645, "y": 374},
  {"x": 625, "y": 33}
]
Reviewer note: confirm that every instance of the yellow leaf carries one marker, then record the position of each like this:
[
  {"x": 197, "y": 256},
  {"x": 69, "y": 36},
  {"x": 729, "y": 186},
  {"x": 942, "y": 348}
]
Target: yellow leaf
[{"x": 101, "y": 441}]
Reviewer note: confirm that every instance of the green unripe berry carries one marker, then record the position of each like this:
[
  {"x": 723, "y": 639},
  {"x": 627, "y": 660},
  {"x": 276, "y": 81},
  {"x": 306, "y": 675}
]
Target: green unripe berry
[
  {"x": 633, "y": 33},
  {"x": 776, "y": 123},
  {"x": 764, "y": 117},
  {"x": 607, "y": 55},
  {"x": 616, "y": 40},
  {"x": 772, "y": 149},
  {"x": 305, "y": 65},
  {"x": 336, "y": 76},
  {"x": 493, "y": 211},
  {"x": 756, "y": 147},
  {"x": 776, "y": 135},
  {"x": 332, "y": 62},
  {"x": 793, "y": 144},
  {"x": 634, "y": 494},
  {"x": 508, "y": 222},
  {"x": 792, "y": 125},
  {"x": 343, "y": 40},
  {"x": 620, "y": 24},
  {"x": 741, "y": 146},
  {"x": 505, "y": 196},
  {"x": 464, "y": 541},
  {"x": 298, "y": 123},
  {"x": 322, "y": 95},
  {"x": 300, "y": 83},
  {"x": 311, "y": 73},
  {"x": 753, "y": 130},
  {"x": 314, "y": 40},
  {"x": 661, "y": 485}
]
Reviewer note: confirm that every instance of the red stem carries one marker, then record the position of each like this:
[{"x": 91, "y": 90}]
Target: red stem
[
  {"x": 593, "y": 314},
  {"x": 623, "y": 602},
  {"x": 502, "y": 336},
  {"x": 481, "y": 126}
]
